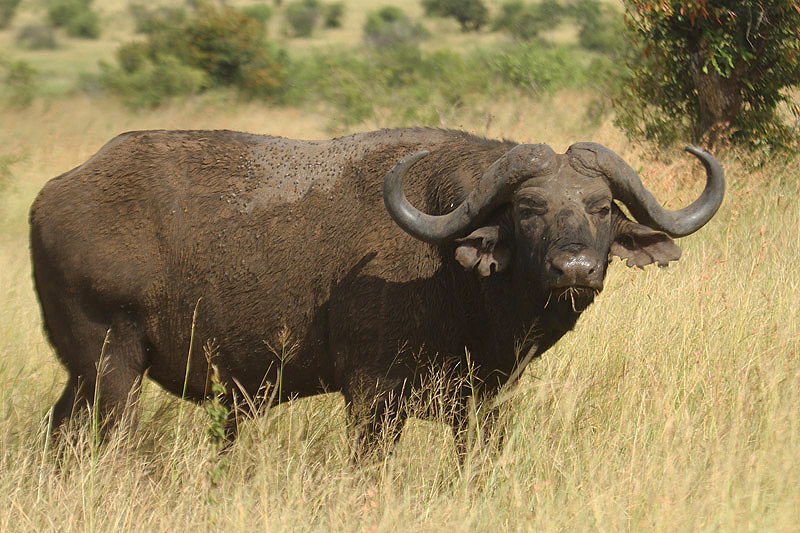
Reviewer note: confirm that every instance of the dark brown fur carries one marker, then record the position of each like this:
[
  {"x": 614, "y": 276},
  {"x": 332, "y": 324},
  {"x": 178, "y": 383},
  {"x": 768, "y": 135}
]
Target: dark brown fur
[{"x": 261, "y": 234}]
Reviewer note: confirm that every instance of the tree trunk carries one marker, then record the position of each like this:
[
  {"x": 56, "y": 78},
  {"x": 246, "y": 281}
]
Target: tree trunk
[{"x": 719, "y": 98}]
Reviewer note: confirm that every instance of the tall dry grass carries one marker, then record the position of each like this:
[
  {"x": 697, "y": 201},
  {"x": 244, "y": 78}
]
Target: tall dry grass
[{"x": 673, "y": 406}]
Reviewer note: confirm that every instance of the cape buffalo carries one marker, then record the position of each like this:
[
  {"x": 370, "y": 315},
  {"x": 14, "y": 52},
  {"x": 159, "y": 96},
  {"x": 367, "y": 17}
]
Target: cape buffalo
[{"x": 304, "y": 264}]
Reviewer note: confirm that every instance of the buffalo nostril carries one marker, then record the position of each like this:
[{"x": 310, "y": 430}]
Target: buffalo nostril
[
  {"x": 555, "y": 270},
  {"x": 575, "y": 269}
]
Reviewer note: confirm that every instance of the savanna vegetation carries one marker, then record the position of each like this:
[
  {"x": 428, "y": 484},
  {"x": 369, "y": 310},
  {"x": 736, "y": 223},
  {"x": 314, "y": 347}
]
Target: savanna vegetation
[{"x": 672, "y": 406}]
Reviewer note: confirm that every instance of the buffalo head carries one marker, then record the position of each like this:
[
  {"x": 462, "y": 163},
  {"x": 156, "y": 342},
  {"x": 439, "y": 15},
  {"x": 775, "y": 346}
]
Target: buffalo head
[{"x": 551, "y": 219}]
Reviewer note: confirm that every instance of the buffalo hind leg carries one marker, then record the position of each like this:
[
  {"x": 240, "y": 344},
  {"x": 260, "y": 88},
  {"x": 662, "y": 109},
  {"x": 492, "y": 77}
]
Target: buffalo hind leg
[{"x": 106, "y": 372}]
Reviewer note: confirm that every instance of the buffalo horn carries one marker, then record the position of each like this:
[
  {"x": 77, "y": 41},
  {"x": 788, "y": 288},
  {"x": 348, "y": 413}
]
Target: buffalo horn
[
  {"x": 492, "y": 189},
  {"x": 627, "y": 187}
]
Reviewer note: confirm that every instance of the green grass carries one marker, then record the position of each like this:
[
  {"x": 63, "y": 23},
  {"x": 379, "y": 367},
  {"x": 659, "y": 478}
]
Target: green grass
[{"x": 671, "y": 407}]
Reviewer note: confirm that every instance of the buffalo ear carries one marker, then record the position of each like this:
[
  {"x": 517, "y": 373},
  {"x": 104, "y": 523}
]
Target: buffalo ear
[
  {"x": 641, "y": 245},
  {"x": 484, "y": 250}
]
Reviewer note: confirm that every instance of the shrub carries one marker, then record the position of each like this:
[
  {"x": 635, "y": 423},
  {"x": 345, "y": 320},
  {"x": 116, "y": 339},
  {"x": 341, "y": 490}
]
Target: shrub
[
  {"x": 74, "y": 15},
  {"x": 542, "y": 69},
  {"x": 85, "y": 24},
  {"x": 302, "y": 16},
  {"x": 390, "y": 26},
  {"x": 708, "y": 71},
  {"x": 601, "y": 27},
  {"x": 259, "y": 12},
  {"x": 8, "y": 8},
  {"x": 5, "y": 170},
  {"x": 154, "y": 81},
  {"x": 150, "y": 20},
  {"x": 525, "y": 21},
  {"x": 134, "y": 55},
  {"x": 212, "y": 47},
  {"x": 333, "y": 15},
  {"x": 19, "y": 81},
  {"x": 471, "y": 15},
  {"x": 37, "y": 37}
]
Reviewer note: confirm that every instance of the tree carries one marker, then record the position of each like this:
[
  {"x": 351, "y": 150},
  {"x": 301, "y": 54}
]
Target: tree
[
  {"x": 390, "y": 27},
  {"x": 8, "y": 8},
  {"x": 524, "y": 21},
  {"x": 712, "y": 69},
  {"x": 470, "y": 14}
]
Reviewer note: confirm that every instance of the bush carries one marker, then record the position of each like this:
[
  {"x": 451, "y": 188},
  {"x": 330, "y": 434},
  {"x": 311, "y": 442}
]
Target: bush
[
  {"x": 525, "y": 21},
  {"x": 85, "y": 24},
  {"x": 214, "y": 47},
  {"x": 149, "y": 21},
  {"x": 399, "y": 85},
  {"x": 471, "y": 15},
  {"x": 74, "y": 15},
  {"x": 601, "y": 27},
  {"x": 390, "y": 26},
  {"x": 153, "y": 81},
  {"x": 542, "y": 69},
  {"x": 8, "y": 8},
  {"x": 259, "y": 12},
  {"x": 302, "y": 16},
  {"x": 405, "y": 85},
  {"x": 333, "y": 15},
  {"x": 37, "y": 37},
  {"x": 19, "y": 81}
]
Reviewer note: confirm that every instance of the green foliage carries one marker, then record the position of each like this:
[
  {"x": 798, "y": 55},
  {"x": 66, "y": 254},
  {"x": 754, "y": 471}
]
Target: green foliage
[
  {"x": 8, "y": 8},
  {"x": 417, "y": 87},
  {"x": 302, "y": 16},
  {"x": 525, "y": 21},
  {"x": 6, "y": 161},
  {"x": 390, "y": 26},
  {"x": 216, "y": 411},
  {"x": 212, "y": 47},
  {"x": 20, "y": 82},
  {"x": 260, "y": 12},
  {"x": 85, "y": 24},
  {"x": 76, "y": 16},
  {"x": 542, "y": 69},
  {"x": 36, "y": 37},
  {"x": 225, "y": 43},
  {"x": 186, "y": 52},
  {"x": 471, "y": 15},
  {"x": 601, "y": 28},
  {"x": 712, "y": 71},
  {"x": 153, "y": 80},
  {"x": 151, "y": 20},
  {"x": 414, "y": 87},
  {"x": 333, "y": 14}
]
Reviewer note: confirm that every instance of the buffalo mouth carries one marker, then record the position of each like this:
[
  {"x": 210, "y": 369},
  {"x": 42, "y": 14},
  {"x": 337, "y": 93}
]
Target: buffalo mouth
[{"x": 576, "y": 298}]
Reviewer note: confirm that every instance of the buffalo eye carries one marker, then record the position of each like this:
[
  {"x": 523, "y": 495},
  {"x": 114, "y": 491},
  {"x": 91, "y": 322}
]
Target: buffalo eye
[
  {"x": 603, "y": 212},
  {"x": 599, "y": 209},
  {"x": 531, "y": 207}
]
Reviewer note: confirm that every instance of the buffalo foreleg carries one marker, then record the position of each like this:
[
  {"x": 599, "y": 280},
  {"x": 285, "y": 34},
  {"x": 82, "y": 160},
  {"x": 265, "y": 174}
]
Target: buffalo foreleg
[{"x": 375, "y": 422}]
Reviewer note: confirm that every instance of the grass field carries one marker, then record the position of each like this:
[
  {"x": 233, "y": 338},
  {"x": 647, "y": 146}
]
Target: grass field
[{"x": 673, "y": 406}]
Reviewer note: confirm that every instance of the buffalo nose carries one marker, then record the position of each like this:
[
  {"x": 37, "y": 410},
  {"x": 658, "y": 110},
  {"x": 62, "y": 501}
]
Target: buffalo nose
[{"x": 582, "y": 269}]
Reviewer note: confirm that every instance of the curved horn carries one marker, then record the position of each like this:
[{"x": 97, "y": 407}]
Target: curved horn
[
  {"x": 491, "y": 190},
  {"x": 627, "y": 187}
]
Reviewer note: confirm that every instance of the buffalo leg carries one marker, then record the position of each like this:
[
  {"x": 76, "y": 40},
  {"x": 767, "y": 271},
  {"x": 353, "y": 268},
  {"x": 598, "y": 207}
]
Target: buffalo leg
[
  {"x": 472, "y": 427},
  {"x": 106, "y": 372},
  {"x": 67, "y": 405},
  {"x": 376, "y": 423}
]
